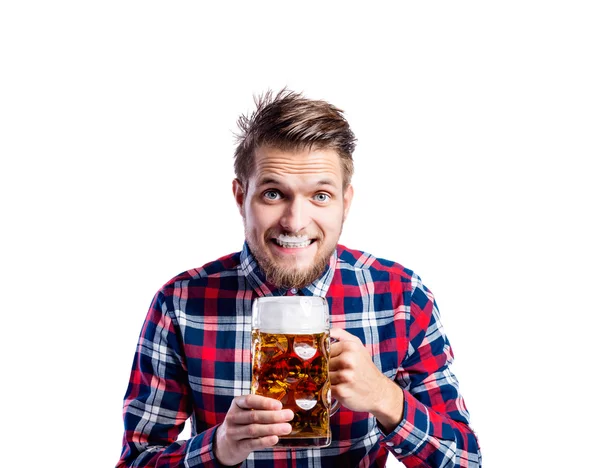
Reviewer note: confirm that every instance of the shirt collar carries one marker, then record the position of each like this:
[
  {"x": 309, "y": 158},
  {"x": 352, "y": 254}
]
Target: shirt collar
[{"x": 258, "y": 281}]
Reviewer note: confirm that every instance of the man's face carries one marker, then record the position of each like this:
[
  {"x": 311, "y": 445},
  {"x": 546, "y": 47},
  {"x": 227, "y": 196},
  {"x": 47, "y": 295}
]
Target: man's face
[{"x": 293, "y": 212}]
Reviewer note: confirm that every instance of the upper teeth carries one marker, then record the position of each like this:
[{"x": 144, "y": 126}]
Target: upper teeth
[{"x": 290, "y": 241}]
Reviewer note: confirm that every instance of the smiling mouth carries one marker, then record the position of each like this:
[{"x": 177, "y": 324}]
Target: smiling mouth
[{"x": 290, "y": 242}]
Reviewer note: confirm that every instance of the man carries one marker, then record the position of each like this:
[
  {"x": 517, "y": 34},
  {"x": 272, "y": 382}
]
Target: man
[{"x": 389, "y": 369}]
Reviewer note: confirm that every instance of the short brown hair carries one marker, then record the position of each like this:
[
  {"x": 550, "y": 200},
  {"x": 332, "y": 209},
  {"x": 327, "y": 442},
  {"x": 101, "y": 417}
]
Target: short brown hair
[{"x": 289, "y": 121}]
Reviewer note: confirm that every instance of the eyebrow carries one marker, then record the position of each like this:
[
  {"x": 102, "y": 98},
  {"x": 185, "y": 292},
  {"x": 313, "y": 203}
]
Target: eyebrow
[
  {"x": 268, "y": 180},
  {"x": 327, "y": 182}
]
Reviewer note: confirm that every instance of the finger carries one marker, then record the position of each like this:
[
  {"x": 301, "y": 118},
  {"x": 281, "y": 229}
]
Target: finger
[
  {"x": 336, "y": 363},
  {"x": 253, "y": 431},
  {"x": 262, "y": 417},
  {"x": 340, "y": 377},
  {"x": 336, "y": 350},
  {"x": 257, "y": 402},
  {"x": 250, "y": 445},
  {"x": 339, "y": 392},
  {"x": 342, "y": 335},
  {"x": 345, "y": 347}
]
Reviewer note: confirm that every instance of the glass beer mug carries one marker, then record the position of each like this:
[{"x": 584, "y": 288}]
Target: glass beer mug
[{"x": 290, "y": 362}]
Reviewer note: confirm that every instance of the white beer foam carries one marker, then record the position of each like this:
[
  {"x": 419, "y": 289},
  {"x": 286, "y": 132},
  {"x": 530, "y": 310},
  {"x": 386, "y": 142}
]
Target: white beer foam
[{"x": 290, "y": 314}]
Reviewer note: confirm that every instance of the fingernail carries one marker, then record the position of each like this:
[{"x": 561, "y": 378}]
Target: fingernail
[{"x": 289, "y": 414}]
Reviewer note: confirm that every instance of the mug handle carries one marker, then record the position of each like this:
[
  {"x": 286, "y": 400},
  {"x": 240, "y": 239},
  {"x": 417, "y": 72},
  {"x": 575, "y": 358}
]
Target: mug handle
[{"x": 335, "y": 405}]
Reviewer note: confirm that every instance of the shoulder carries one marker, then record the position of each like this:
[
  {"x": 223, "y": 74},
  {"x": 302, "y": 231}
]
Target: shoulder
[
  {"x": 386, "y": 275},
  {"x": 363, "y": 261},
  {"x": 382, "y": 270},
  {"x": 215, "y": 271}
]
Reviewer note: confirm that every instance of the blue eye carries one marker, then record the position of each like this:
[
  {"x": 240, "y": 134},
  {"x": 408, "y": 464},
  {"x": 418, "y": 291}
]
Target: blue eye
[
  {"x": 272, "y": 195},
  {"x": 322, "y": 197}
]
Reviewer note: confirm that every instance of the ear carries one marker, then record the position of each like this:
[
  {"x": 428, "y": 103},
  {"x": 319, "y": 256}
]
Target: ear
[
  {"x": 348, "y": 195},
  {"x": 239, "y": 195}
]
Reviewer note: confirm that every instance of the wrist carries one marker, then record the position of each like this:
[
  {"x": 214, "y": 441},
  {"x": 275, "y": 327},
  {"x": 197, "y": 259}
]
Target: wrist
[
  {"x": 221, "y": 451},
  {"x": 216, "y": 446},
  {"x": 389, "y": 409}
]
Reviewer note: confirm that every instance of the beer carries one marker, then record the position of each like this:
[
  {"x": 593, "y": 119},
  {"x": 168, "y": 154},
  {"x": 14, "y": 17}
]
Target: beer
[
  {"x": 290, "y": 362},
  {"x": 294, "y": 369}
]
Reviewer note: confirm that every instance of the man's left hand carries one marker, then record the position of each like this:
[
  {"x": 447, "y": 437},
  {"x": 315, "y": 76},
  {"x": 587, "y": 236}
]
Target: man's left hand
[{"x": 359, "y": 385}]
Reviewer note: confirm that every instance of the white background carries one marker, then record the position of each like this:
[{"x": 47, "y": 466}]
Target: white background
[{"x": 478, "y": 127}]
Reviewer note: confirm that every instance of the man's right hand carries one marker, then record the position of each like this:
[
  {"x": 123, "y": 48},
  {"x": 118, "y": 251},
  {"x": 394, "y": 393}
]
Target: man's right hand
[{"x": 253, "y": 422}]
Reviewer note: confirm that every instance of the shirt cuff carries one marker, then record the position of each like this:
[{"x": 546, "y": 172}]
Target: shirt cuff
[
  {"x": 200, "y": 451},
  {"x": 412, "y": 433}
]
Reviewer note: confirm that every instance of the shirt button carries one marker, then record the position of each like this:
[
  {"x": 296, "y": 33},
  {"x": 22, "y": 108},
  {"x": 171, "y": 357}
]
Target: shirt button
[
  {"x": 389, "y": 444},
  {"x": 294, "y": 291}
]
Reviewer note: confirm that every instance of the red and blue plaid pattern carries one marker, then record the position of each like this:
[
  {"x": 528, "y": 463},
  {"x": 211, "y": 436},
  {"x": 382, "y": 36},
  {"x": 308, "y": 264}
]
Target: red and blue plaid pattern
[{"x": 193, "y": 358}]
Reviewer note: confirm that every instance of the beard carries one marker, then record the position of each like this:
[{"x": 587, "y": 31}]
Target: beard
[
  {"x": 289, "y": 277},
  {"x": 283, "y": 277}
]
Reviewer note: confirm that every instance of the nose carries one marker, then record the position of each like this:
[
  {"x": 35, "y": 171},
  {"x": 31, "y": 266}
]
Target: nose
[{"x": 296, "y": 216}]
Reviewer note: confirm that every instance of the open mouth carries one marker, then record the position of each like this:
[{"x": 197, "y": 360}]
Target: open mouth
[{"x": 289, "y": 242}]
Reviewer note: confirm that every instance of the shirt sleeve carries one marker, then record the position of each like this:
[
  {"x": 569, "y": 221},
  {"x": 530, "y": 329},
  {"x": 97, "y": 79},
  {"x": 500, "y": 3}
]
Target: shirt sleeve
[
  {"x": 435, "y": 428},
  {"x": 158, "y": 400}
]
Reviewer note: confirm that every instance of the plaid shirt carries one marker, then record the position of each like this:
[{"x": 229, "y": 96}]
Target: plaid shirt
[{"x": 193, "y": 358}]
